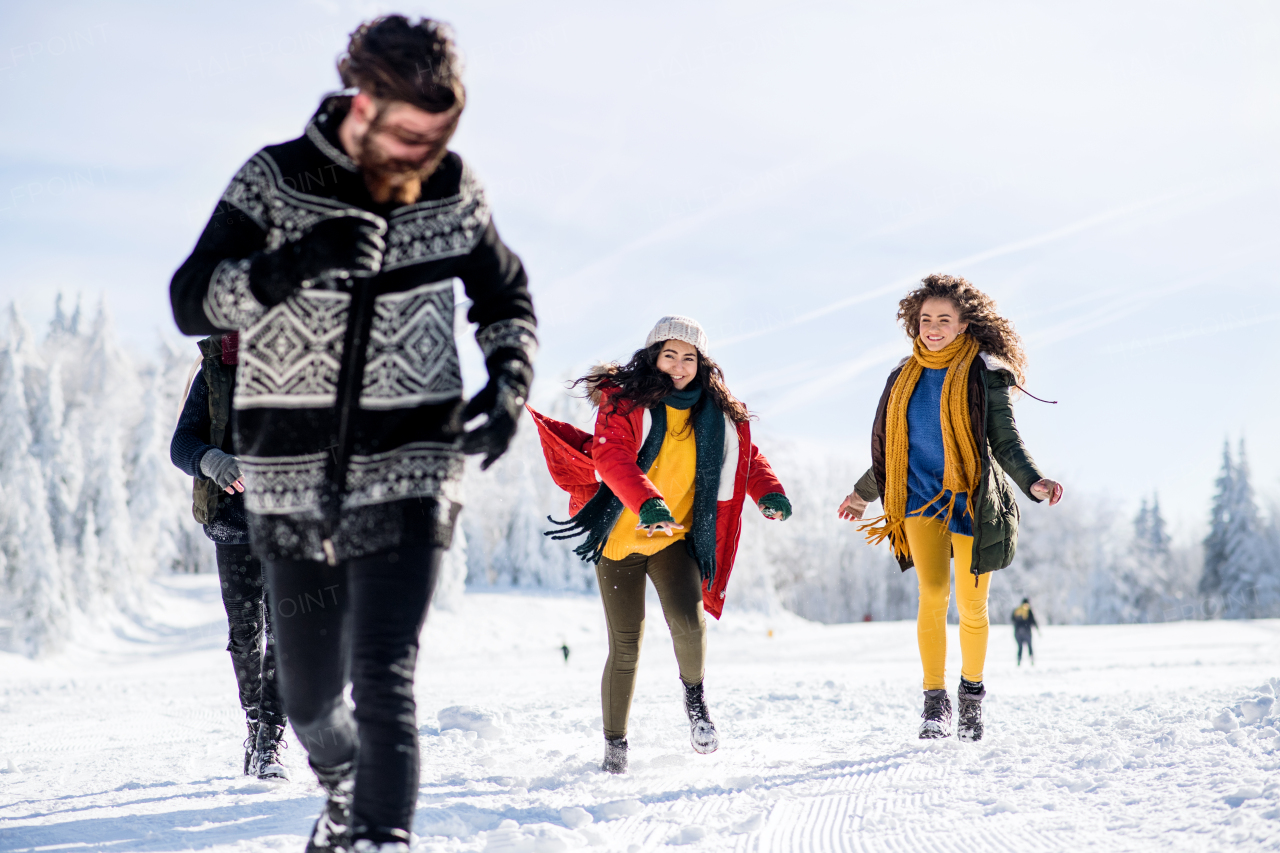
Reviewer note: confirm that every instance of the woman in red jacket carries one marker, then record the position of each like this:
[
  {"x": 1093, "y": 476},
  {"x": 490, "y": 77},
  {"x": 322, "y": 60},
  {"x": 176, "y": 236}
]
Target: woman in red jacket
[{"x": 658, "y": 491}]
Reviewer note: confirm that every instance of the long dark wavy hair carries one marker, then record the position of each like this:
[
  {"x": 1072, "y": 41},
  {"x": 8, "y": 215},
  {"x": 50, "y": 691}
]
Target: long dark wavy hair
[
  {"x": 995, "y": 334},
  {"x": 642, "y": 384}
]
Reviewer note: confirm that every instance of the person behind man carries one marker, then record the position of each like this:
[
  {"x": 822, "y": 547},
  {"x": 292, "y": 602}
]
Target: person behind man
[
  {"x": 203, "y": 446},
  {"x": 1023, "y": 621},
  {"x": 335, "y": 254}
]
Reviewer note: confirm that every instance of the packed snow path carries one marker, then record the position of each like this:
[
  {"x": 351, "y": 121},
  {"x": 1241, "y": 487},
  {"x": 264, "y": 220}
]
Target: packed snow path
[{"x": 1120, "y": 738}]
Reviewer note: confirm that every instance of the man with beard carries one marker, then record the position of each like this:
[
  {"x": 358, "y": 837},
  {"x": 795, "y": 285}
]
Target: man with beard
[{"x": 334, "y": 255}]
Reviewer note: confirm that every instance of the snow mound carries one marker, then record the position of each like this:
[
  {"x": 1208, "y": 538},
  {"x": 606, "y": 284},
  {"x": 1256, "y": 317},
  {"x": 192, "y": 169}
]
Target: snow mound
[
  {"x": 511, "y": 837},
  {"x": 1255, "y": 717},
  {"x": 575, "y": 816},
  {"x": 617, "y": 809},
  {"x": 469, "y": 718}
]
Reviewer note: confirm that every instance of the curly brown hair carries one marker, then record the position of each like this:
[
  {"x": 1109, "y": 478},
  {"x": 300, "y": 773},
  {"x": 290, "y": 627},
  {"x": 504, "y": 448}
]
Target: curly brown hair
[
  {"x": 994, "y": 333},
  {"x": 643, "y": 384},
  {"x": 394, "y": 59}
]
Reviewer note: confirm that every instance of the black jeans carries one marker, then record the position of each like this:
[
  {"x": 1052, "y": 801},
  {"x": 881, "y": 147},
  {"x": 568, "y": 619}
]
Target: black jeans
[
  {"x": 250, "y": 641},
  {"x": 357, "y": 622},
  {"x": 1024, "y": 638}
]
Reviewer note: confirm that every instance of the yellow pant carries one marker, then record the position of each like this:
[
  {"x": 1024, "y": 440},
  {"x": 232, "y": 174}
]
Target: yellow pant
[{"x": 931, "y": 545}]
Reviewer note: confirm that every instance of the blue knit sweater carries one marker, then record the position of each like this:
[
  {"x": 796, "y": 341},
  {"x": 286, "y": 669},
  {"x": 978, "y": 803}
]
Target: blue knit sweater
[
  {"x": 190, "y": 443},
  {"x": 925, "y": 455}
]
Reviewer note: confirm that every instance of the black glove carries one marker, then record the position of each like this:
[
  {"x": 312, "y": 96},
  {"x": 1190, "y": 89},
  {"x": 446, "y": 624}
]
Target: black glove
[
  {"x": 222, "y": 468},
  {"x": 502, "y": 400},
  {"x": 333, "y": 254}
]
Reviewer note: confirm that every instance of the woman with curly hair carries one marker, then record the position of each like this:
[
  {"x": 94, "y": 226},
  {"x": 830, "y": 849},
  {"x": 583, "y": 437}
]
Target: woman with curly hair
[
  {"x": 944, "y": 417},
  {"x": 671, "y": 455}
]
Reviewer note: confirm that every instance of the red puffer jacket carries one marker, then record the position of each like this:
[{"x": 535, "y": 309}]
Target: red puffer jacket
[{"x": 578, "y": 462}]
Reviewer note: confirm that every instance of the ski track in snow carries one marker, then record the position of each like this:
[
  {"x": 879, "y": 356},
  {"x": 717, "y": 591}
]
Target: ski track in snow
[{"x": 1134, "y": 737}]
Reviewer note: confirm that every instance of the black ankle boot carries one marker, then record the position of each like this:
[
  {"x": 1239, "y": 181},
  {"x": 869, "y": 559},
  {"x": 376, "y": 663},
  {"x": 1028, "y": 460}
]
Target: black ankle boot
[
  {"x": 250, "y": 746},
  {"x": 937, "y": 715},
  {"x": 332, "y": 830},
  {"x": 702, "y": 732},
  {"x": 615, "y": 755},
  {"x": 267, "y": 763},
  {"x": 969, "y": 701},
  {"x": 379, "y": 839}
]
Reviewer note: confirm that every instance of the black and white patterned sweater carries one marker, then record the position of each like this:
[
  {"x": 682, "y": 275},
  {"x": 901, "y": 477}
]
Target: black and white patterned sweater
[{"x": 394, "y": 478}]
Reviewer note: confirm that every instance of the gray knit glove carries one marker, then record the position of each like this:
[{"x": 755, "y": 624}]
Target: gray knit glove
[{"x": 222, "y": 468}]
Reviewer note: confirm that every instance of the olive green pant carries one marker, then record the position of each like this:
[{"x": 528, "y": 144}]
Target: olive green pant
[{"x": 679, "y": 584}]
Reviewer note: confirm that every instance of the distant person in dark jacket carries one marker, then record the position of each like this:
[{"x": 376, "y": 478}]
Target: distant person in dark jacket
[
  {"x": 1023, "y": 621},
  {"x": 202, "y": 446}
]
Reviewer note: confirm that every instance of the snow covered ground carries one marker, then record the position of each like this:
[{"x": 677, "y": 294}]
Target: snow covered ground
[{"x": 1120, "y": 738}]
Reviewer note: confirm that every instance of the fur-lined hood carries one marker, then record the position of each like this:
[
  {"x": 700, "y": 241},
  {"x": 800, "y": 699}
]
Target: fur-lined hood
[{"x": 597, "y": 378}]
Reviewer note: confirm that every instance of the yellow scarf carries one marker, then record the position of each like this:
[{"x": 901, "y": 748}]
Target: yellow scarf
[{"x": 961, "y": 467}]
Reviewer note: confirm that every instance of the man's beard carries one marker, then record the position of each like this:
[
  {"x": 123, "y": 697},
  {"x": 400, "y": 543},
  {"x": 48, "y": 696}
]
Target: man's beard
[{"x": 390, "y": 179}]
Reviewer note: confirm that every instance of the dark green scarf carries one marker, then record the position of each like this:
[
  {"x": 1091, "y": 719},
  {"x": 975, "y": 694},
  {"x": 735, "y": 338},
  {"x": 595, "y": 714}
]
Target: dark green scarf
[{"x": 599, "y": 516}]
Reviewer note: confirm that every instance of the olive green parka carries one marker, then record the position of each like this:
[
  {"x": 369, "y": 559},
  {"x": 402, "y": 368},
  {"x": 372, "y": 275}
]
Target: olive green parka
[{"x": 995, "y": 528}]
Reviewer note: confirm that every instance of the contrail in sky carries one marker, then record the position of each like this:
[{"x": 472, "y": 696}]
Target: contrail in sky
[
  {"x": 999, "y": 251},
  {"x": 1198, "y": 331},
  {"x": 1111, "y": 311},
  {"x": 780, "y": 178}
]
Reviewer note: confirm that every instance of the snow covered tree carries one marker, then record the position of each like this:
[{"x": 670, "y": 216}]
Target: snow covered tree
[
  {"x": 110, "y": 392},
  {"x": 452, "y": 582},
  {"x": 1133, "y": 584},
  {"x": 1242, "y": 573},
  {"x": 1150, "y": 533},
  {"x": 37, "y": 586},
  {"x": 1215, "y": 544},
  {"x": 150, "y": 474},
  {"x": 506, "y": 511},
  {"x": 58, "y": 450}
]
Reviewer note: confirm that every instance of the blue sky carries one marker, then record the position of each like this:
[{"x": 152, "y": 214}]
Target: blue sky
[{"x": 782, "y": 172}]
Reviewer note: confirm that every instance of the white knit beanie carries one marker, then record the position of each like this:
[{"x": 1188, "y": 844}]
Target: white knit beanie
[{"x": 677, "y": 328}]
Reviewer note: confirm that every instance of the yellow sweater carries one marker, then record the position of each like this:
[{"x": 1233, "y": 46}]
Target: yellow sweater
[{"x": 671, "y": 474}]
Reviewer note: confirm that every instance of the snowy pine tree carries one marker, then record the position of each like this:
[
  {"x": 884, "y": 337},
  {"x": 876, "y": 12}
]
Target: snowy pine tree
[
  {"x": 110, "y": 392},
  {"x": 86, "y": 433},
  {"x": 58, "y": 450},
  {"x": 37, "y": 587},
  {"x": 1215, "y": 544},
  {"x": 1241, "y": 572},
  {"x": 1135, "y": 582},
  {"x": 150, "y": 474},
  {"x": 1157, "y": 539}
]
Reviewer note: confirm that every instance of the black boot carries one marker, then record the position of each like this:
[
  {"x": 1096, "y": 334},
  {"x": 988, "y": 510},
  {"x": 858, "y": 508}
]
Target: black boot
[
  {"x": 702, "y": 732},
  {"x": 250, "y": 746},
  {"x": 937, "y": 715},
  {"x": 267, "y": 764},
  {"x": 969, "y": 706},
  {"x": 615, "y": 755},
  {"x": 332, "y": 830},
  {"x": 380, "y": 841}
]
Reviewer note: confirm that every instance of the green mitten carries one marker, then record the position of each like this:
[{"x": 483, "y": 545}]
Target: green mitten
[
  {"x": 654, "y": 511},
  {"x": 775, "y": 505}
]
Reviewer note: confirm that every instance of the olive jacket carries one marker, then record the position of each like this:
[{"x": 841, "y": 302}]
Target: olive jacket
[{"x": 995, "y": 528}]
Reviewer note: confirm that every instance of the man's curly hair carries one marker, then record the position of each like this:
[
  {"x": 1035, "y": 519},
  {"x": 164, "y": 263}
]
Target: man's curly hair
[
  {"x": 995, "y": 334},
  {"x": 395, "y": 60}
]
